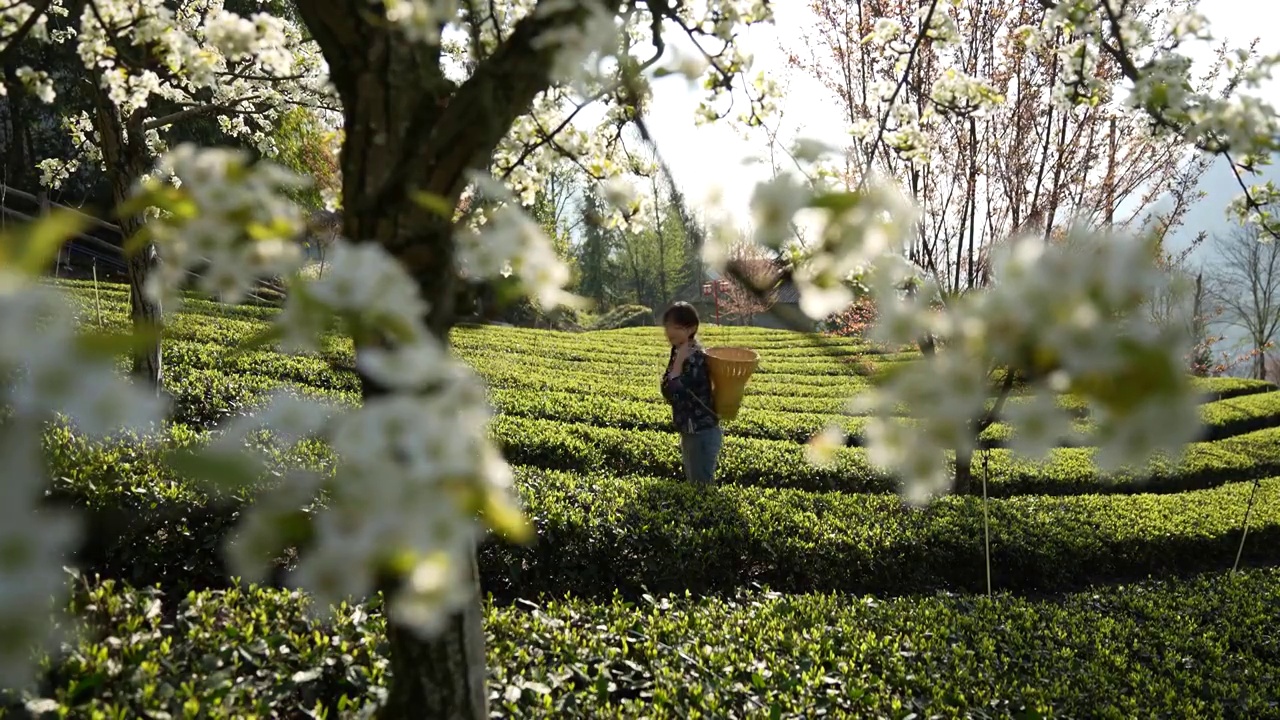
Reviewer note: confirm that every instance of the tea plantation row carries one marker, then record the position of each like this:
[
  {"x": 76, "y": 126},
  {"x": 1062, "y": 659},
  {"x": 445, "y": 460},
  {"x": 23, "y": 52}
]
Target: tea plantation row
[
  {"x": 599, "y": 534},
  {"x": 203, "y": 397},
  {"x": 1200, "y": 649}
]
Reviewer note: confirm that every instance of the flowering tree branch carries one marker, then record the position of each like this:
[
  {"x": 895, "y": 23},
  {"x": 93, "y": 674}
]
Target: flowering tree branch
[
  {"x": 1176, "y": 119},
  {"x": 883, "y": 125},
  {"x": 197, "y": 111},
  {"x": 9, "y": 43}
]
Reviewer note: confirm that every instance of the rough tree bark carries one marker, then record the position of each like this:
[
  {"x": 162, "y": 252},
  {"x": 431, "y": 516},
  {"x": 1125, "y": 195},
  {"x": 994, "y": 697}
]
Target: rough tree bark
[
  {"x": 409, "y": 128},
  {"x": 125, "y": 154}
]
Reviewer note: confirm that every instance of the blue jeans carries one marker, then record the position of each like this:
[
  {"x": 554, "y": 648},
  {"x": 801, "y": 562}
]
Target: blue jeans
[{"x": 700, "y": 452}]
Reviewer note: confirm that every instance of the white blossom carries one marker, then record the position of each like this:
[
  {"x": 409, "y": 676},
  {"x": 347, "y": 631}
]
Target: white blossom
[{"x": 50, "y": 374}]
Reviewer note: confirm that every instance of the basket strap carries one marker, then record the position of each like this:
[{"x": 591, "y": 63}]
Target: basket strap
[
  {"x": 694, "y": 395},
  {"x": 704, "y": 405}
]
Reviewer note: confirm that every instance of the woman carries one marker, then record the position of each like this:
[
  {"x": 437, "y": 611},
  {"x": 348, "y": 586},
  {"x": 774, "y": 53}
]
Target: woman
[{"x": 687, "y": 387}]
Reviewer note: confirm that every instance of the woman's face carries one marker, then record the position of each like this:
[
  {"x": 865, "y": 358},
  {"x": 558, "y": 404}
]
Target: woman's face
[{"x": 677, "y": 335}]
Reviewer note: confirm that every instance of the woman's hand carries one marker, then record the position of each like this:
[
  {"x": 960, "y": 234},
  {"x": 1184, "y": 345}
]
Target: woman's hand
[{"x": 682, "y": 354}]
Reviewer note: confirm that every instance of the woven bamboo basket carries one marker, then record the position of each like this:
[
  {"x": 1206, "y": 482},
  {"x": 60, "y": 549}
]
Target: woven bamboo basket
[{"x": 731, "y": 368}]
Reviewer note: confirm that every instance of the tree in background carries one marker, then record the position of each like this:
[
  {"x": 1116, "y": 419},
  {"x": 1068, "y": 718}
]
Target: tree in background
[
  {"x": 146, "y": 72},
  {"x": 306, "y": 145},
  {"x": 1184, "y": 302},
  {"x": 695, "y": 238},
  {"x": 1187, "y": 301},
  {"x": 998, "y": 152},
  {"x": 29, "y": 126},
  {"x": 1200, "y": 360},
  {"x": 993, "y": 132},
  {"x": 1243, "y": 278},
  {"x": 595, "y": 254},
  {"x": 647, "y": 260},
  {"x": 652, "y": 254},
  {"x": 552, "y": 209},
  {"x": 753, "y": 284},
  {"x": 854, "y": 321}
]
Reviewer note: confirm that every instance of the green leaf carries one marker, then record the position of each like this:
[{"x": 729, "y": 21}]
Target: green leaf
[
  {"x": 507, "y": 290},
  {"x": 82, "y": 686},
  {"x": 213, "y": 468},
  {"x": 295, "y": 528},
  {"x": 116, "y": 344},
  {"x": 136, "y": 204},
  {"x": 506, "y": 518},
  {"x": 35, "y": 245},
  {"x": 837, "y": 201},
  {"x": 433, "y": 202},
  {"x": 260, "y": 341},
  {"x": 278, "y": 227}
]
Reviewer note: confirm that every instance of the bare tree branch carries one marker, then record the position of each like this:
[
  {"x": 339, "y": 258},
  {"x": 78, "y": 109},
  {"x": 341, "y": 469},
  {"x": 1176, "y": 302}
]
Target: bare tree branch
[
  {"x": 195, "y": 112},
  {"x": 1244, "y": 280}
]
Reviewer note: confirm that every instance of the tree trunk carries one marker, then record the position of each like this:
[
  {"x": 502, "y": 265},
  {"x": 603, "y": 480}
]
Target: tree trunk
[
  {"x": 21, "y": 167},
  {"x": 125, "y": 154},
  {"x": 145, "y": 311},
  {"x": 964, "y": 472},
  {"x": 963, "y": 483},
  {"x": 443, "y": 677},
  {"x": 410, "y": 129}
]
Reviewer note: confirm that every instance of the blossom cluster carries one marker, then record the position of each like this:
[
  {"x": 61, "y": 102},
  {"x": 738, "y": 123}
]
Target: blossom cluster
[
  {"x": 242, "y": 70},
  {"x": 603, "y": 61},
  {"x": 213, "y": 210},
  {"x": 856, "y": 232},
  {"x": 895, "y": 118},
  {"x": 1153, "y": 46},
  {"x": 1060, "y": 318},
  {"x": 49, "y": 373},
  {"x": 502, "y": 240}
]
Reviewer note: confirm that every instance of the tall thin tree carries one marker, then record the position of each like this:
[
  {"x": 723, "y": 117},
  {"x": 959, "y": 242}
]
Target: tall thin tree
[{"x": 1243, "y": 278}]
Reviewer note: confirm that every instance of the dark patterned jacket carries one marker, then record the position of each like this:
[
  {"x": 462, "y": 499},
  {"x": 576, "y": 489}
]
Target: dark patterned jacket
[{"x": 689, "y": 393}]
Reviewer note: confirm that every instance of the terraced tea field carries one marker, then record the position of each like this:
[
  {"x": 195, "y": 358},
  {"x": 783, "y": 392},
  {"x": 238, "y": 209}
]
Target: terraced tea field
[{"x": 789, "y": 590}]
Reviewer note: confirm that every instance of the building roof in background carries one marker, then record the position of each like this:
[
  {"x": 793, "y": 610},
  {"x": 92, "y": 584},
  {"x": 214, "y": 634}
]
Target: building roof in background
[
  {"x": 325, "y": 220},
  {"x": 787, "y": 293}
]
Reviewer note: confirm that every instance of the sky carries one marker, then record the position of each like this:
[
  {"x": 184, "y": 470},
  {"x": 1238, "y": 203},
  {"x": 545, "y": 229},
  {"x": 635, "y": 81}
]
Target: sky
[{"x": 711, "y": 157}]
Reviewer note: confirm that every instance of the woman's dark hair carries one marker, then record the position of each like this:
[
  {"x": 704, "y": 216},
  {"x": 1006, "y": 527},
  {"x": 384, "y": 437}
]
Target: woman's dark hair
[{"x": 682, "y": 314}]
